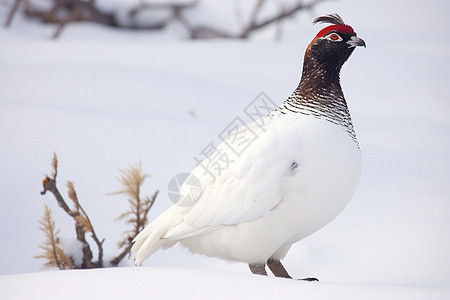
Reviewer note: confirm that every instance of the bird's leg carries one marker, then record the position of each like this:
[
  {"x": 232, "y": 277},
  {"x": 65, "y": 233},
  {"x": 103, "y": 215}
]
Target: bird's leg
[
  {"x": 258, "y": 268},
  {"x": 278, "y": 270}
]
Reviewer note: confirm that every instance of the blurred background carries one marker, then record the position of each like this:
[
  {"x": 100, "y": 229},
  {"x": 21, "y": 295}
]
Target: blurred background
[{"x": 106, "y": 83}]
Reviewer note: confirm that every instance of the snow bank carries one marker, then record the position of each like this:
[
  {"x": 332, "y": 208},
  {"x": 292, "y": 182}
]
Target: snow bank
[{"x": 171, "y": 283}]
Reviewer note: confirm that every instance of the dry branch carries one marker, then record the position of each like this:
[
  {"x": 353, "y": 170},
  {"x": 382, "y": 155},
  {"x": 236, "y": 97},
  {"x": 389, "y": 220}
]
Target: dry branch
[
  {"x": 53, "y": 254},
  {"x": 64, "y": 12},
  {"x": 82, "y": 221},
  {"x": 131, "y": 180},
  {"x": 12, "y": 12},
  {"x": 283, "y": 14},
  {"x": 253, "y": 24}
]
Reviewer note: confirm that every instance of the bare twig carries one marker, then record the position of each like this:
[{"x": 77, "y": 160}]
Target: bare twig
[
  {"x": 53, "y": 254},
  {"x": 96, "y": 239},
  {"x": 64, "y": 12},
  {"x": 207, "y": 32},
  {"x": 259, "y": 5},
  {"x": 116, "y": 260},
  {"x": 238, "y": 12},
  {"x": 49, "y": 184},
  {"x": 283, "y": 14},
  {"x": 131, "y": 180},
  {"x": 12, "y": 12},
  {"x": 175, "y": 7},
  {"x": 145, "y": 211},
  {"x": 279, "y": 24},
  {"x": 129, "y": 240}
]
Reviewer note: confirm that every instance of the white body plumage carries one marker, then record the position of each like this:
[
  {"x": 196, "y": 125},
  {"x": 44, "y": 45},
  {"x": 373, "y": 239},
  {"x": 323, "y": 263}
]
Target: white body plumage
[{"x": 293, "y": 179}]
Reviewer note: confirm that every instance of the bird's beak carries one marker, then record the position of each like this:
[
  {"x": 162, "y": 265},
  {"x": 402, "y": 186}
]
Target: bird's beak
[{"x": 356, "y": 41}]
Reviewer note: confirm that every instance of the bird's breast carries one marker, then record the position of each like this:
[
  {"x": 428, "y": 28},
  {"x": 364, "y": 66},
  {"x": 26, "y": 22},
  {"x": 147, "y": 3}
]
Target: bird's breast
[{"x": 326, "y": 174}]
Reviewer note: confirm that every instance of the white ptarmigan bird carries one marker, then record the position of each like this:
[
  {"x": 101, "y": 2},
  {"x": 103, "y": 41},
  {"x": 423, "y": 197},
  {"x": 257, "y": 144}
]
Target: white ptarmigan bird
[{"x": 298, "y": 173}]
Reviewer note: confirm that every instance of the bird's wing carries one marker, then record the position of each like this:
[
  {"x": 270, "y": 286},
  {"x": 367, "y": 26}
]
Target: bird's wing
[{"x": 241, "y": 181}]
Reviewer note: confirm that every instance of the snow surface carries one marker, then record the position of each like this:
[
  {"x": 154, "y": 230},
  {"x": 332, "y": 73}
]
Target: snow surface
[
  {"x": 175, "y": 283},
  {"x": 103, "y": 99}
]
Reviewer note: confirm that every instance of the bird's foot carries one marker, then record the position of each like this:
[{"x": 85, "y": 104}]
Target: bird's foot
[{"x": 258, "y": 269}]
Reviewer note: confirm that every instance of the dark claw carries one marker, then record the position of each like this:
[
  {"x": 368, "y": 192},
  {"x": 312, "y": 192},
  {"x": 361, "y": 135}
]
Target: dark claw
[{"x": 309, "y": 279}]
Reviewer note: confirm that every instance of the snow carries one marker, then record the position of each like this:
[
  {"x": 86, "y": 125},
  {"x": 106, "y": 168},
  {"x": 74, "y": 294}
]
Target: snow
[
  {"x": 174, "y": 283},
  {"x": 73, "y": 248},
  {"x": 103, "y": 99}
]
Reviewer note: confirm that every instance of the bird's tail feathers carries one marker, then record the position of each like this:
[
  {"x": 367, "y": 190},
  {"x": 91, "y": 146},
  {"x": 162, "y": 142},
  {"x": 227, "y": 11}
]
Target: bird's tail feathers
[
  {"x": 145, "y": 246},
  {"x": 150, "y": 239}
]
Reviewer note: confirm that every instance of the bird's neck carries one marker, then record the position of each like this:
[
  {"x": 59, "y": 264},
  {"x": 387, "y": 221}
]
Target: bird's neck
[
  {"x": 319, "y": 95},
  {"x": 320, "y": 79},
  {"x": 320, "y": 90}
]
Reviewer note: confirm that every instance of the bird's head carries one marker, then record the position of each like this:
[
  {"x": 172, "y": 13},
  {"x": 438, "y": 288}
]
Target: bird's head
[{"x": 333, "y": 45}]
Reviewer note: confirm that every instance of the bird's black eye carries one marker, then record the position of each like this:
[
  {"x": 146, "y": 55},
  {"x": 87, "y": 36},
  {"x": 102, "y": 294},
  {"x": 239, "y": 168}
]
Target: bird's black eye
[{"x": 334, "y": 37}]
